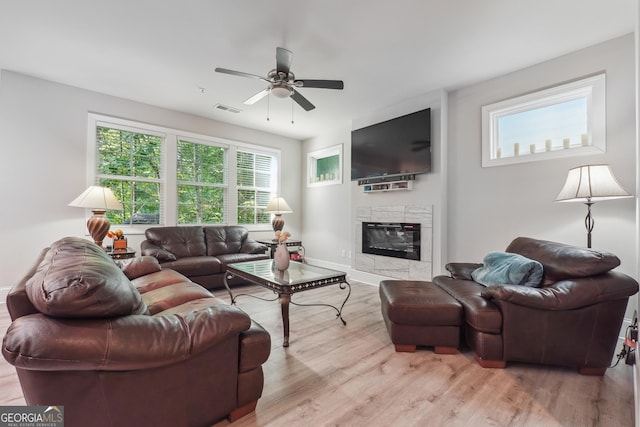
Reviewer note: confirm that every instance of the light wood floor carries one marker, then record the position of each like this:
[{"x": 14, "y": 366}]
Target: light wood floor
[{"x": 335, "y": 375}]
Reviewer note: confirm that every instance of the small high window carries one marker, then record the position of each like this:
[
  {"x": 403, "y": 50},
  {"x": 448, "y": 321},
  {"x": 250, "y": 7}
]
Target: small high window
[
  {"x": 566, "y": 120},
  {"x": 324, "y": 167}
]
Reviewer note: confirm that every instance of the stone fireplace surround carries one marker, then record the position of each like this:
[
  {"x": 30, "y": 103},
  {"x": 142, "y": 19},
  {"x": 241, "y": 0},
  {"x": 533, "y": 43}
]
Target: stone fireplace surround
[{"x": 396, "y": 267}]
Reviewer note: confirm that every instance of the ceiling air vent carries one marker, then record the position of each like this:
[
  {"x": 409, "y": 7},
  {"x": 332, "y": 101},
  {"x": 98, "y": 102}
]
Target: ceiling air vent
[{"x": 226, "y": 108}]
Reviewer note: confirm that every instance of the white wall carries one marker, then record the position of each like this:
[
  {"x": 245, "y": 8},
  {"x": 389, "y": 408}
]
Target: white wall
[
  {"x": 488, "y": 207},
  {"x": 43, "y": 137},
  {"x": 326, "y": 228}
]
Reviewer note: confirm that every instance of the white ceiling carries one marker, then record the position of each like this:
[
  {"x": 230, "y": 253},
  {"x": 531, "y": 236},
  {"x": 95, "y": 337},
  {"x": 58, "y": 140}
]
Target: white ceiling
[{"x": 163, "y": 52}]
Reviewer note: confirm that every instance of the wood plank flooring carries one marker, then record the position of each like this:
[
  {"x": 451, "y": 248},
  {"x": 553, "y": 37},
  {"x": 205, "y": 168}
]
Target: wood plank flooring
[{"x": 335, "y": 375}]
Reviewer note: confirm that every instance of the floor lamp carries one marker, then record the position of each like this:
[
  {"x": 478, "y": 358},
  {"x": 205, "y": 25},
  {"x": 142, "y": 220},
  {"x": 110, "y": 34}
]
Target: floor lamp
[
  {"x": 99, "y": 200},
  {"x": 589, "y": 184}
]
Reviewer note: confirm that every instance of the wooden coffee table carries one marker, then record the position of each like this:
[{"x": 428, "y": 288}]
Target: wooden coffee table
[{"x": 298, "y": 277}]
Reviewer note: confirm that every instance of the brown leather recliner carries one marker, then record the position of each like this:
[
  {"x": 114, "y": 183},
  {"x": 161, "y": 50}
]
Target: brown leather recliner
[
  {"x": 572, "y": 320},
  {"x": 130, "y": 346}
]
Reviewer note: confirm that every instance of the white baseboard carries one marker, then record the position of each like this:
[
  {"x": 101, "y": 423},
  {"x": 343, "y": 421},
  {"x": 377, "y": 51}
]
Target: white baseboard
[
  {"x": 3, "y": 294},
  {"x": 360, "y": 276}
]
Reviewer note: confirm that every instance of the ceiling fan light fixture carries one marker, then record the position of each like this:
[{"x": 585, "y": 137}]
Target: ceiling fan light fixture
[{"x": 281, "y": 91}]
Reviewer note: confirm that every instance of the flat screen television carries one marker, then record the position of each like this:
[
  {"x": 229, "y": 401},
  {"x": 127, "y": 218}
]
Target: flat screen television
[{"x": 398, "y": 146}]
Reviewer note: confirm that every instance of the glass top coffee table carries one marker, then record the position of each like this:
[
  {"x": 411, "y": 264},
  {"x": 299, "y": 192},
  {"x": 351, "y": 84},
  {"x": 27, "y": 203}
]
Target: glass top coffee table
[{"x": 298, "y": 277}]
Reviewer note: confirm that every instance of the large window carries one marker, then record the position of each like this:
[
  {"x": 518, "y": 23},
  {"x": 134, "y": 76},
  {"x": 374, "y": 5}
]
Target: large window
[
  {"x": 202, "y": 183},
  {"x": 130, "y": 164},
  {"x": 168, "y": 177},
  {"x": 256, "y": 176},
  {"x": 566, "y": 120}
]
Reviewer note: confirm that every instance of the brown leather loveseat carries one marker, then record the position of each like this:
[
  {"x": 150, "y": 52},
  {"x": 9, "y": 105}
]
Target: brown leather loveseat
[
  {"x": 202, "y": 252},
  {"x": 134, "y": 345},
  {"x": 572, "y": 319}
]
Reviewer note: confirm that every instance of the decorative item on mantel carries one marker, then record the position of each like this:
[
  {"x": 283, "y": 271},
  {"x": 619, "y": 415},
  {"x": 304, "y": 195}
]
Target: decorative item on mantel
[
  {"x": 281, "y": 256},
  {"x": 119, "y": 241}
]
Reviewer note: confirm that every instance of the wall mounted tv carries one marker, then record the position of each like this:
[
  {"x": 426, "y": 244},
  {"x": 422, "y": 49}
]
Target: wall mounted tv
[{"x": 398, "y": 146}]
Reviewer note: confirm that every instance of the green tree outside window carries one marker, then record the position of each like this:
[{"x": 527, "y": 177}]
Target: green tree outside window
[
  {"x": 201, "y": 176},
  {"x": 129, "y": 164}
]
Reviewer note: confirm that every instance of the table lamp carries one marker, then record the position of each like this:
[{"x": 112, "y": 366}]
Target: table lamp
[
  {"x": 589, "y": 184},
  {"x": 99, "y": 200},
  {"x": 278, "y": 206}
]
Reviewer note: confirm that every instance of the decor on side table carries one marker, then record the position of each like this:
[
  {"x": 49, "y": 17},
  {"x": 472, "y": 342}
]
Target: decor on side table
[
  {"x": 99, "y": 200},
  {"x": 278, "y": 206},
  {"x": 119, "y": 241},
  {"x": 281, "y": 257},
  {"x": 589, "y": 184}
]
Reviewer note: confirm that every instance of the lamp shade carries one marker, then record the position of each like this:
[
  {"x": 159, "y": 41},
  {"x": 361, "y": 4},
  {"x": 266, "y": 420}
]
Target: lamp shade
[
  {"x": 99, "y": 200},
  {"x": 591, "y": 183},
  {"x": 95, "y": 197},
  {"x": 278, "y": 206}
]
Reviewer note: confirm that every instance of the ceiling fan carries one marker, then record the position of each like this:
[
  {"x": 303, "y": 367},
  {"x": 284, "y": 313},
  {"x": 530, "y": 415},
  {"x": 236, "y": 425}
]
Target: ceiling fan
[{"x": 283, "y": 83}]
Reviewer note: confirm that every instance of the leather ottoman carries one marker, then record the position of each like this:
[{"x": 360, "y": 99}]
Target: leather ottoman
[{"x": 419, "y": 313}]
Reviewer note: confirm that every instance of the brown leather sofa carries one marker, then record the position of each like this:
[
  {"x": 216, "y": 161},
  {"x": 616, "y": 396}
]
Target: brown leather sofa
[
  {"x": 573, "y": 319},
  {"x": 134, "y": 345},
  {"x": 202, "y": 252}
]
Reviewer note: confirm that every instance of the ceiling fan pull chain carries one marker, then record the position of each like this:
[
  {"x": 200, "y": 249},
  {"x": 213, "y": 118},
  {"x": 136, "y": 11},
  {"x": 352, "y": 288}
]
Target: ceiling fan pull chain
[
  {"x": 292, "y": 111},
  {"x": 268, "y": 104}
]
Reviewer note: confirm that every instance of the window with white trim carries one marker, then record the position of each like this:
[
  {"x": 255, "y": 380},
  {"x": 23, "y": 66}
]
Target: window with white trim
[
  {"x": 256, "y": 176},
  {"x": 201, "y": 174},
  {"x": 168, "y": 177},
  {"x": 129, "y": 163},
  {"x": 566, "y": 120}
]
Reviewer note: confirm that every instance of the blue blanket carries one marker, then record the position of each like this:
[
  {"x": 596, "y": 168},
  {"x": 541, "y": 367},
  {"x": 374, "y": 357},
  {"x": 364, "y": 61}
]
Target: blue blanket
[{"x": 503, "y": 268}]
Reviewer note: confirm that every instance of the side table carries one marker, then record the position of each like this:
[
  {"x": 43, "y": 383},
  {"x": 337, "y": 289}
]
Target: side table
[{"x": 122, "y": 253}]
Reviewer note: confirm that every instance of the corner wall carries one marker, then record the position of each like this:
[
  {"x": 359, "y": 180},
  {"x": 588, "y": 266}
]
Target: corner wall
[
  {"x": 478, "y": 210},
  {"x": 488, "y": 207},
  {"x": 329, "y": 219},
  {"x": 43, "y": 137}
]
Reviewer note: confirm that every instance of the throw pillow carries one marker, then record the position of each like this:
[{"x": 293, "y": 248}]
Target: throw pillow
[
  {"x": 503, "y": 268},
  {"x": 139, "y": 266},
  {"x": 160, "y": 254}
]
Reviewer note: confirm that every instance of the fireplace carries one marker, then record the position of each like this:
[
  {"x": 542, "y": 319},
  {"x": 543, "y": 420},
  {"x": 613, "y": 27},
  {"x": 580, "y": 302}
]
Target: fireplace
[{"x": 393, "y": 239}]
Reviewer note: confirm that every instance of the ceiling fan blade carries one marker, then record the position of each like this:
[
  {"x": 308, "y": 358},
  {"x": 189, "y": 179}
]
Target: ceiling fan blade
[
  {"x": 322, "y": 84},
  {"x": 302, "y": 101},
  {"x": 241, "y": 74},
  {"x": 257, "y": 97},
  {"x": 283, "y": 60}
]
